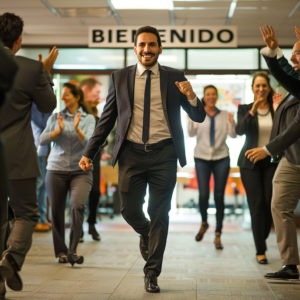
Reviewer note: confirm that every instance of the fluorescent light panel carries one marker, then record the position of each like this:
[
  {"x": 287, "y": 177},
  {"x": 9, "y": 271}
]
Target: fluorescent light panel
[
  {"x": 138, "y": 4},
  {"x": 232, "y": 8}
]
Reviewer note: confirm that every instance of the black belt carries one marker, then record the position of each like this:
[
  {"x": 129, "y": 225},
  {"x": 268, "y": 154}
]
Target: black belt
[{"x": 150, "y": 147}]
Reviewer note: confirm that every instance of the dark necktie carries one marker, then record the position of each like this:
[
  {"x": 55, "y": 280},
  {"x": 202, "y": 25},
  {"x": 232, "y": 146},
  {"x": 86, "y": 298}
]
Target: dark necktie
[
  {"x": 146, "y": 119},
  {"x": 212, "y": 128}
]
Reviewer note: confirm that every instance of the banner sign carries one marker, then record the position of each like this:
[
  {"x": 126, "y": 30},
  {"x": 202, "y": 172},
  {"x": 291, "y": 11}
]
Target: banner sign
[{"x": 171, "y": 36}]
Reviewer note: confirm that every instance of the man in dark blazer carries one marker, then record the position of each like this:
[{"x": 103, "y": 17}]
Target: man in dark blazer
[
  {"x": 32, "y": 84},
  {"x": 284, "y": 145},
  {"x": 147, "y": 99},
  {"x": 7, "y": 73}
]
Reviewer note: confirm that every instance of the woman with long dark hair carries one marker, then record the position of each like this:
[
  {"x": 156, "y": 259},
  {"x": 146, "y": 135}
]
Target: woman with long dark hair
[
  {"x": 255, "y": 120},
  {"x": 69, "y": 131},
  {"x": 212, "y": 156}
]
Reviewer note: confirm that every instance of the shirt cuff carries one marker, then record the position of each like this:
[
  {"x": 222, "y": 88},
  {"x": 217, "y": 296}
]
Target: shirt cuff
[
  {"x": 194, "y": 101},
  {"x": 267, "y": 151},
  {"x": 279, "y": 53},
  {"x": 266, "y": 51}
]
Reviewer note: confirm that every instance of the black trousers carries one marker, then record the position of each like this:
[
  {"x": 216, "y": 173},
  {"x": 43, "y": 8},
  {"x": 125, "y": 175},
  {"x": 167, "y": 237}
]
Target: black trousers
[
  {"x": 58, "y": 183},
  {"x": 258, "y": 186},
  {"x": 23, "y": 201},
  {"x": 157, "y": 169},
  {"x": 95, "y": 194},
  {"x": 3, "y": 197}
]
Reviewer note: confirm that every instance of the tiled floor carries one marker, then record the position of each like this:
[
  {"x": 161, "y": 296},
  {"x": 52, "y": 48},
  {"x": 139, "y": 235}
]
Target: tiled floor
[{"x": 191, "y": 270}]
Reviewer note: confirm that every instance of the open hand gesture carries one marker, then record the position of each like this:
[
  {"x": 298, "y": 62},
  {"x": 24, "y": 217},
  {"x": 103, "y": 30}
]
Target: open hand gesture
[
  {"x": 256, "y": 154},
  {"x": 297, "y": 30},
  {"x": 186, "y": 89},
  {"x": 61, "y": 123},
  {"x": 76, "y": 121},
  {"x": 277, "y": 98},
  {"x": 269, "y": 36},
  {"x": 50, "y": 60}
]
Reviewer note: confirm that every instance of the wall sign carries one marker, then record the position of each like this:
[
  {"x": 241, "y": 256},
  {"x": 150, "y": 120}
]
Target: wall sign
[{"x": 171, "y": 36}]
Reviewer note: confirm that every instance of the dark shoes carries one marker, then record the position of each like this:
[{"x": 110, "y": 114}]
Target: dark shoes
[
  {"x": 200, "y": 234},
  {"x": 151, "y": 284},
  {"x": 285, "y": 273},
  {"x": 63, "y": 260},
  {"x": 94, "y": 233},
  {"x": 2, "y": 289},
  {"x": 9, "y": 272},
  {"x": 262, "y": 261},
  {"x": 75, "y": 259},
  {"x": 144, "y": 241}
]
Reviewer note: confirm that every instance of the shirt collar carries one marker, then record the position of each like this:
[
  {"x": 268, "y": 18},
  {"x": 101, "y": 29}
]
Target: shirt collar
[
  {"x": 66, "y": 112},
  {"x": 141, "y": 69}
]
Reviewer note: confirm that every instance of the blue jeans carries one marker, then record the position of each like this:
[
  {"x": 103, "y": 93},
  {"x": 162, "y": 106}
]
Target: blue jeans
[
  {"x": 220, "y": 169},
  {"x": 41, "y": 191}
]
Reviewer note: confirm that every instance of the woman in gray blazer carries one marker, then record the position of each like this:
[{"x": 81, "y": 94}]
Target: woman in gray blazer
[{"x": 70, "y": 131}]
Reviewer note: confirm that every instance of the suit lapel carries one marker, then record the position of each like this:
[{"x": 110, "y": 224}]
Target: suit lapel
[
  {"x": 163, "y": 87},
  {"x": 130, "y": 84}
]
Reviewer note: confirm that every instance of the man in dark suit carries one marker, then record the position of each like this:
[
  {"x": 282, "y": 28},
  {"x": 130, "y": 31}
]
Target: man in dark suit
[
  {"x": 147, "y": 99},
  {"x": 7, "y": 73},
  {"x": 32, "y": 84},
  {"x": 285, "y": 144}
]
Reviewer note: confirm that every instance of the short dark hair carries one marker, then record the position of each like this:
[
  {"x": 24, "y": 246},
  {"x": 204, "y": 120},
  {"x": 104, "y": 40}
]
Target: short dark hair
[
  {"x": 147, "y": 29},
  {"x": 11, "y": 27},
  {"x": 90, "y": 82},
  {"x": 208, "y": 87}
]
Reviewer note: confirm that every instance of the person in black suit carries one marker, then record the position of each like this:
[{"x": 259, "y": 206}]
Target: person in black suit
[
  {"x": 32, "y": 84},
  {"x": 284, "y": 145},
  {"x": 147, "y": 99},
  {"x": 8, "y": 71},
  {"x": 255, "y": 121}
]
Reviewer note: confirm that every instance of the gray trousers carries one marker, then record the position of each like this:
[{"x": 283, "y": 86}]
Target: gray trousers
[
  {"x": 58, "y": 183},
  {"x": 23, "y": 202},
  {"x": 286, "y": 193}
]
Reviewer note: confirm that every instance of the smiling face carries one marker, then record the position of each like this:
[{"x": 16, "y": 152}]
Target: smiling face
[
  {"x": 147, "y": 49},
  {"x": 69, "y": 99},
  {"x": 210, "y": 97},
  {"x": 295, "y": 58},
  {"x": 261, "y": 88}
]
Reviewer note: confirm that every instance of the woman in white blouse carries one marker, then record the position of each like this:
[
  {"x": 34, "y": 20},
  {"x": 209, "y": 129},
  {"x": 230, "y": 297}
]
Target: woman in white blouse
[{"x": 212, "y": 156}]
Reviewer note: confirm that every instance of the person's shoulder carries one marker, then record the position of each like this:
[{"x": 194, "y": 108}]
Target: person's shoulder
[
  {"x": 124, "y": 70},
  {"x": 171, "y": 70},
  {"x": 245, "y": 106},
  {"x": 29, "y": 64}
]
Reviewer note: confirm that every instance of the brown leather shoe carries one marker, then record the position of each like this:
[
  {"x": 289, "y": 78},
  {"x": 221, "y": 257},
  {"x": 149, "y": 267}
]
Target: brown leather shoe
[
  {"x": 200, "y": 234},
  {"x": 218, "y": 243},
  {"x": 42, "y": 227}
]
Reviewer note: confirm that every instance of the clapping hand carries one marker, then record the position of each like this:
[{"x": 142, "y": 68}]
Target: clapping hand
[
  {"x": 186, "y": 89},
  {"x": 277, "y": 98},
  {"x": 297, "y": 30},
  {"x": 230, "y": 118},
  {"x": 269, "y": 36},
  {"x": 50, "y": 60},
  {"x": 76, "y": 121},
  {"x": 61, "y": 123},
  {"x": 256, "y": 154},
  {"x": 257, "y": 103}
]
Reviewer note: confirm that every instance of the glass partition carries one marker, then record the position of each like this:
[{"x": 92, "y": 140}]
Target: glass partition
[
  {"x": 287, "y": 54},
  {"x": 33, "y": 53},
  {"x": 90, "y": 59},
  {"x": 174, "y": 58},
  {"x": 222, "y": 59}
]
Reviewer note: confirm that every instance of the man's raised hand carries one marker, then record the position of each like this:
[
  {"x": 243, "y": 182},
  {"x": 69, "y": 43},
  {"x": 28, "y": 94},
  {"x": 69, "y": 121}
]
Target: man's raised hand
[
  {"x": 297, "y": 30},
  {"x": 269, "y": 36},
  {"x": 85, "y": 164},
  {"x": 186, "y": 89},
  {"x": 50, "y": 60}
]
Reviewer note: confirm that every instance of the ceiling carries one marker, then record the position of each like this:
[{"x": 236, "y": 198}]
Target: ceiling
[{"x": 66, "y": 22}]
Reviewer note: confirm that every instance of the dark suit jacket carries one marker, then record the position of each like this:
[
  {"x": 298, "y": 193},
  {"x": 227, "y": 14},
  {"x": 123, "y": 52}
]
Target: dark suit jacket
[
  {"x": 285, "y": 135},
  {"x": 32, "y": 84},
  {"x": 119, "y": 104},
  {"x": 290, "y": 83},
  {"x": 247, "y": 125}
]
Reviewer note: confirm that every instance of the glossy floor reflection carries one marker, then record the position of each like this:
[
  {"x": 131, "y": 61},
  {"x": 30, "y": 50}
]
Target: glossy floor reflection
[{"x": 191, "y": 270}]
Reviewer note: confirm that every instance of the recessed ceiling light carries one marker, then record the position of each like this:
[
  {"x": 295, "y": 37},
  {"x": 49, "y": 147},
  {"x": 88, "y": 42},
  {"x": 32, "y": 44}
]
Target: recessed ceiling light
[{"x": 138, "y": 4}]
